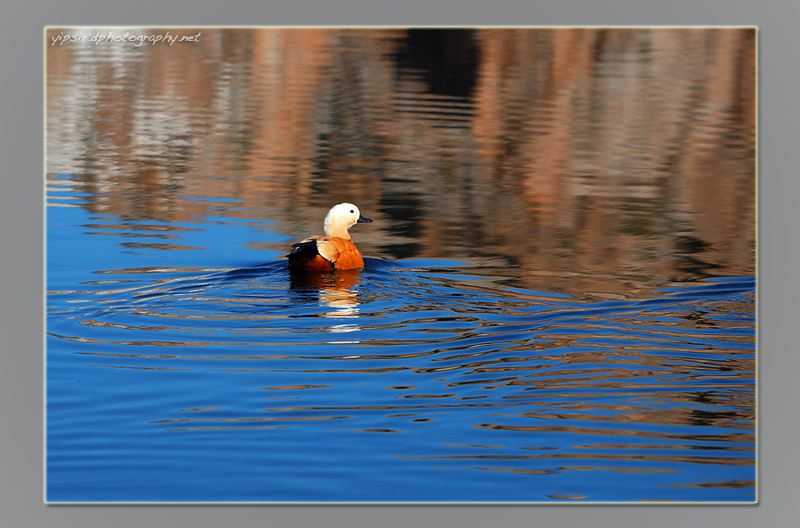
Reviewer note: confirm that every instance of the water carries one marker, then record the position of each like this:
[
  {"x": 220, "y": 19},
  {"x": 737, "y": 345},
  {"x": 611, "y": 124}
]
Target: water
[{"x": 523, "y": 331}]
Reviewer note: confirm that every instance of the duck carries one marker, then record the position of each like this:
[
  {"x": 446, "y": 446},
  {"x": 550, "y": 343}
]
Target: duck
[{"x": 333, "y": 251}]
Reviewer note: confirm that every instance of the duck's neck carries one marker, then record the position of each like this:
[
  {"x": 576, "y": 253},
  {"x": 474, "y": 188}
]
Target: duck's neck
[{"x": 337, "y": 229}]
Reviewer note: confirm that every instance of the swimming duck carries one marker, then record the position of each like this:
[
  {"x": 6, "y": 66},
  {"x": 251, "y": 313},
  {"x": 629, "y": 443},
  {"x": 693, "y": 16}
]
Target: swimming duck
[{"x": 335, "y": 250}]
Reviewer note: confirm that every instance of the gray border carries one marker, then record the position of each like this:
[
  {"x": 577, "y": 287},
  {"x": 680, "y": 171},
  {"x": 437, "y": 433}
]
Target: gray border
[{"x": 21, "y": 325}]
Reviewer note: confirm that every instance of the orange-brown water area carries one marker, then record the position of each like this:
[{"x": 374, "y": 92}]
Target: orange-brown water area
[{"x": 590, "y": 159}]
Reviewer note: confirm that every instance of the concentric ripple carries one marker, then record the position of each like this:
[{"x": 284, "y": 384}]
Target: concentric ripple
[{"x": 516, "y": 384}]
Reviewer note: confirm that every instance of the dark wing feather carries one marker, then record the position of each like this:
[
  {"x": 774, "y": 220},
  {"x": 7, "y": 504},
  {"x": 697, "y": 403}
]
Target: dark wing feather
[
  {"x": 306, "y": 256},
  {"x": 307, "y": 249}
]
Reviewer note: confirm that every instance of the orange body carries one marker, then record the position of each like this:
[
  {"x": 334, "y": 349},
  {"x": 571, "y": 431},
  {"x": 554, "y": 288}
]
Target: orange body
[
  {"x": 349, "y": 255},
  {"x": 339, "y": 253}
]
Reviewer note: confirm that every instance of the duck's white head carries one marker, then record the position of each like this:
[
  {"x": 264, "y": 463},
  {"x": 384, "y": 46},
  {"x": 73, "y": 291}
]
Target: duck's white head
[{"x": 341, "y": 218}]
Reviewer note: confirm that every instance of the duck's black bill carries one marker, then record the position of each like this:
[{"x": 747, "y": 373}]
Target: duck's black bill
[{"x": 362, "y": 220}]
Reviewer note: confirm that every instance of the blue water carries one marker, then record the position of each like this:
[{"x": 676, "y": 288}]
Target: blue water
[{"x": 185, "y": 364}]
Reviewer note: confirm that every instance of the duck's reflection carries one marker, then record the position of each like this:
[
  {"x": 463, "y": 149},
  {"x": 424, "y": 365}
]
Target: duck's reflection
[{"x": 337, "y": 290}]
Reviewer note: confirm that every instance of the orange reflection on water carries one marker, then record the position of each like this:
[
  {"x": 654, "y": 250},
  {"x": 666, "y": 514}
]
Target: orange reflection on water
[{"x": 573, "y": 157}]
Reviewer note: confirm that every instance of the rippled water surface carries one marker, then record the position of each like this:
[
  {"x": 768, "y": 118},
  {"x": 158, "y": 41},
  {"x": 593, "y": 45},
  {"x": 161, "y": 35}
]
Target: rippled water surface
[{"x": 558, "y": 302}]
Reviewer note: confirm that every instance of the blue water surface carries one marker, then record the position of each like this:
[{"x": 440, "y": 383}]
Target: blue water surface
[{"x": 184, "y": 365}]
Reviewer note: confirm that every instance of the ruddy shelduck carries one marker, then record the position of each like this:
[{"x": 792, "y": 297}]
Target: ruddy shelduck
[{"x": 335, "y": 250}]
